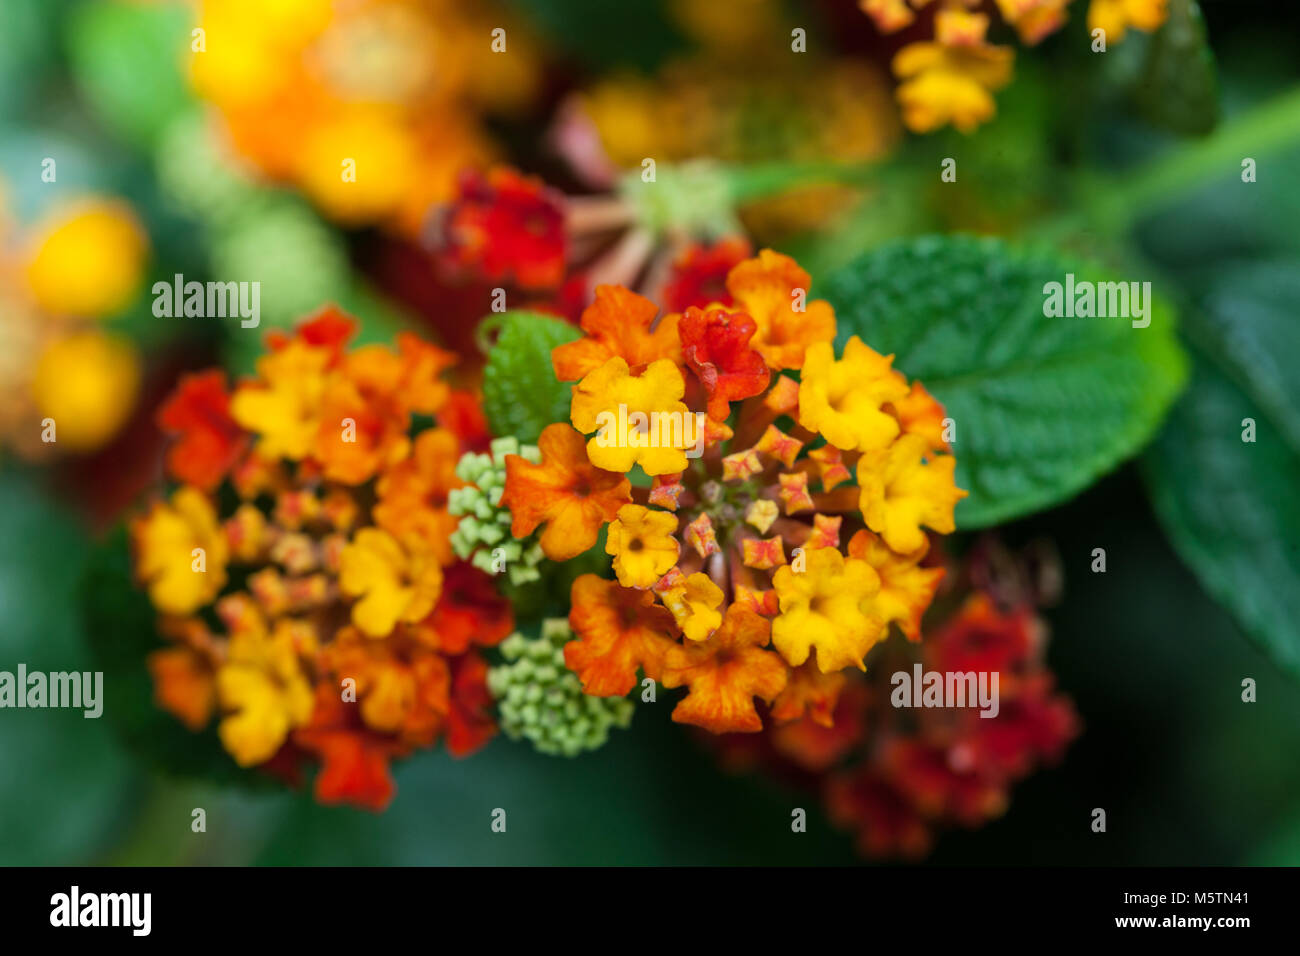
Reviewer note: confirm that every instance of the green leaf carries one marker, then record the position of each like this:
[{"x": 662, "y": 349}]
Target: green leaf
[
  {"x": 1249, "y": 323},
  {"x": 1178, "y": 89},
  {"x": 1043, "y": 406},
  {"x": 127, "y": 60},
  {"x": 1230, "y": 509},
  {"x": 520, "y": 393},
  {"x": 121, "y": 629}
]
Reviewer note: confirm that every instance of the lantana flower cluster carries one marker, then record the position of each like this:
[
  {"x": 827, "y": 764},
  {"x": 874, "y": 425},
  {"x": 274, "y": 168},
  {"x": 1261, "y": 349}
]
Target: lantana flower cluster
[
  {"x": 765, "y": 531},
  {"x": 302, "y": 568},
  {"x": 952, "y": 78}
]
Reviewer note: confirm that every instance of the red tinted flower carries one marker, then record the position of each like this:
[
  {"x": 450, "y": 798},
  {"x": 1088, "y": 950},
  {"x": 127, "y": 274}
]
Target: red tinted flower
[
  {"x": 209, "y": 442},
  {"x": 715, "y": 344},
  {"x": 699, "y": 276},
  {"x": 505, "y": 226}
]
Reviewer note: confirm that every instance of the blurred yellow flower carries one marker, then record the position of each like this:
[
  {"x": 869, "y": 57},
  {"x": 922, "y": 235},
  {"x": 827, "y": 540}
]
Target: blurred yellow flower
[
  {"x": 181, "y": 552},
  {"x": 393, "y": 585},
  {"x": 1116, "y": 16},
  {"x": 87, "y": 260},
  {"x": 263, "y": 684},
  {"x": 87, "y": 383}
]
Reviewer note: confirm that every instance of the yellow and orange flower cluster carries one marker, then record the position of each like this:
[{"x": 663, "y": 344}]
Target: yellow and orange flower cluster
[
  {"x": 325, "y": 614},
  {"x": 765, "y": 532},
  {"x": 66, "y": 385},
  {"x": 952, "y": 78},
  {"x": 371, "y": 108}
]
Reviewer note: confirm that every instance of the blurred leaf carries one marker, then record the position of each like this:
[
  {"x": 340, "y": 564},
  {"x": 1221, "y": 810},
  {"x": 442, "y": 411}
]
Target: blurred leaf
[
  {"x": 127, "y": 58},
  {"x": 66, "y": 781},
  {"x": 1249, "y": 321},
  {"x": 120, "y": 627},
  {"x": 1044, "y": 406},
  {"x": 1229, "y": 506},
  {"x": 1178, "y": 89},
  {"x": 27, "y": 45},
  {"x": 520, "y": 393}
]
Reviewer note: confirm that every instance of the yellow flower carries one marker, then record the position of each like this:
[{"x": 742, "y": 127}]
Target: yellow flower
[
  {"x": 694, "y": 603},
  {"x": 263, "y": 684},
  {"x": 1116, "y": 16},
  {"x": 825, "y": 607},
  {"x": 639, "y": 419},
  {"x": 905, "y": 487},
  {"x": 643, "y": 545},
  {"x": 359, "y": 165},
  {"x": 393, "y": 585},
  {"x": 285, "y": 410},
  {"x": 180, "y": 579},
  {"x": 87, "y": 383},
  {"x": 843, "y": 399},
  {"x": 906, "y": 588},
  {"x": 87, "y": 262},
  {"x": 950, "y": 84}
]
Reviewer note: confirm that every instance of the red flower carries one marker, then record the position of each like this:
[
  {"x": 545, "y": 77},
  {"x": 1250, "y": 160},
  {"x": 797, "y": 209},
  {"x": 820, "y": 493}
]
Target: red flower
[
  {"x": 505, "y": 226},
  {"x": 354, "y": 759},
  {"x": 699, "y": 276},
  {"x": 330, "y": 328},
  {"x": 210, "y": 442},
  {"x": 470, "y": 611},
  {"x": 469, "y": 721},
  {"x": 715, "y": 344}
]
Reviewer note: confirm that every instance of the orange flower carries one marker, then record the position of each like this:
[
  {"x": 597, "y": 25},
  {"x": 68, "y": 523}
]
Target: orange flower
[
  {"x": 618, "y": 323},
  {"x": 413, "y": 494},
  {"x": 402, "y": 688},
  {"x": 774, "y": 291},
  {"x": 365, "y": 414},
  {"x": 809, "y": 693},
  {"x": 725, "y": 673},
  {"x": 619, "y": 630},
  {"x": 184, "y": 685},
  {"x": 920, "y": 414},
  {"x": 566, "y": 492},
  {"x": 210, "y": 442}
]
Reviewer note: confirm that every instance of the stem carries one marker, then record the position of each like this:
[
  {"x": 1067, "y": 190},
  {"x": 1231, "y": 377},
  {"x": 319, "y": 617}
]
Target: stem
[
  {"x": 760, "y": 181},
  {"x": 1115, "y": 203}
]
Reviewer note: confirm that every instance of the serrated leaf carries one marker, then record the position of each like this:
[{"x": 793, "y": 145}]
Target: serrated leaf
[
  {"x": 121, "y": 629},
  {"x": 1178, "y": 89},
  {"x": 520, "y": 393},
  {"x": 1043, "y": 406},
  {"x": 1230, "y": 509}
]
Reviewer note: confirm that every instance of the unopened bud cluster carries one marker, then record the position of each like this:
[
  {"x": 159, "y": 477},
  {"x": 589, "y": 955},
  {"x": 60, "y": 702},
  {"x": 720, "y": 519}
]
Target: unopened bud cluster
[
  {"x": 541, "y": 700},
  {"x": 483, "y": 534}
]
